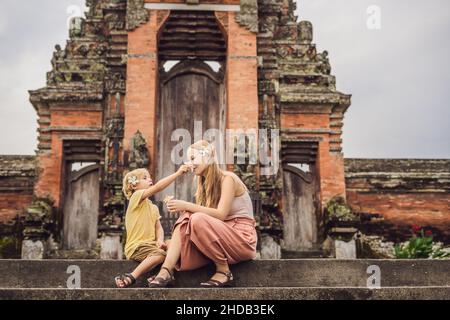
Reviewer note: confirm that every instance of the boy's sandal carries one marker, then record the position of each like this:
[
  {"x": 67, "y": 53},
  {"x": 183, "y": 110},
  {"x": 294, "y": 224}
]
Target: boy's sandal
[
  {"x": 124, "y": 276},
  {"x": 160, "y": 282},
  {"x": 211, "y": 283}
]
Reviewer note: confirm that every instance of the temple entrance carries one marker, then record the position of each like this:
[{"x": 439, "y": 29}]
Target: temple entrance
[
  {"x": 192, "y": 92},
  {"x": 301, "y": 224},
  {"x": 81, "y": 194},
  {"x": 81, "y": 208}
]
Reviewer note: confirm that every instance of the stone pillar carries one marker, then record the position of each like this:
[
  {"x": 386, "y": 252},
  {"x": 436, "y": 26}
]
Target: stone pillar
[
  {"x": 345, "y": 249},
  {"x": 242, "y": 77},
  {"x": 33, "y": 249},
  {"x": 37, "y": 220},
  {"x": 142, "y": 67},
  {"x": 342, "y": 226},
  {"x": 111, "y": 246},
  {"x": 270, "y": 249},
  {"x": 111, "y": 227}
]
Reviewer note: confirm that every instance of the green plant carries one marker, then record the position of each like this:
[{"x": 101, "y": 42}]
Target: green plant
[
  {"x": 337, "y": 210},
  {"x": 9, "y": 248},
  {"x": 420, "y": 246}
]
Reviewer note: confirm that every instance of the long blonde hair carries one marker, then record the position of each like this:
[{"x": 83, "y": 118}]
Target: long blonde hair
[
  {"x": 130, "y": 180},
  {"x": 209, "y": 184}
]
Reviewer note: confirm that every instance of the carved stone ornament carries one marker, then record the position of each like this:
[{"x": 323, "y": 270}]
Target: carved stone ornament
[
  {"x": 248, "y": 15},
  {"x": 139, "y": 156},
  {"x": 136, "y": 14},
  {"x": 305, "y": 32}
]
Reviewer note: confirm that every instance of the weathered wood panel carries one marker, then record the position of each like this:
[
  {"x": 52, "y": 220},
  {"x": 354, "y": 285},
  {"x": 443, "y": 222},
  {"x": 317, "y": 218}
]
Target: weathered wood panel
[
  {"x": 300, "y": 227},
  {"x": 81, "y": 209},
  {"x": 185, "y": 97}
]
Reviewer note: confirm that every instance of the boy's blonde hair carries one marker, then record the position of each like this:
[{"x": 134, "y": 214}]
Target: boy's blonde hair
[{"x": 131, "y": 179}]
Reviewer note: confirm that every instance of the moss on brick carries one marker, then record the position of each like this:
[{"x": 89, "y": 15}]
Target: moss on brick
[{"x": 9, "y": 247}]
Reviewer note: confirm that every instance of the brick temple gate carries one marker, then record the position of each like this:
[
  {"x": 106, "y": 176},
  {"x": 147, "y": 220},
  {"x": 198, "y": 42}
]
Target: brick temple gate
[{"x": 135, "y": 70}]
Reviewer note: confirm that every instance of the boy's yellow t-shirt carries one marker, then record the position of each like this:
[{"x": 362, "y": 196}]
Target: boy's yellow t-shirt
[{"x": 140, "y": 222}]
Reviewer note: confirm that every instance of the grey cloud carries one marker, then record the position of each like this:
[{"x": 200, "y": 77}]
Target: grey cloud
[{"x": 399, "y": 76}]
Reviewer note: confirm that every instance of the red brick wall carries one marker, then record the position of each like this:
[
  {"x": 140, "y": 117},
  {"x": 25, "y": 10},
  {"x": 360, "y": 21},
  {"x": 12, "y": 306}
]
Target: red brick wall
[
  {"x": 242, "y": 85},
  {"x": 306, "y": 121},
  {"x": 17, "y": 174},
  {"x": 331, "y": 173},
  {"x": 392, "y": 195},
  {"x": 12, "y": 203},
  {"x": 405, "y": 209},
  {"x": 142, "y": 66}
]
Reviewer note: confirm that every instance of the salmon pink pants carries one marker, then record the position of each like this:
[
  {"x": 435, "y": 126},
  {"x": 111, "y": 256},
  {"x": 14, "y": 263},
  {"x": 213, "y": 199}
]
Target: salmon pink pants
[{"x": 205, "y": 239}]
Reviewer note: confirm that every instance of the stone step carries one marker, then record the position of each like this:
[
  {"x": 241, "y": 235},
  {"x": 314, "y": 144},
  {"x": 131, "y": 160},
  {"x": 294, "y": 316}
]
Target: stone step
[
  {"x": 307, "y": 254},
  {"x": 298, "y": 273},
  {"x": 280, "y": 293}
]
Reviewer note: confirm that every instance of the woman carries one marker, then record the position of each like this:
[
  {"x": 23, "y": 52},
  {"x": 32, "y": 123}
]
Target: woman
[{"x": 219, "y": 227}]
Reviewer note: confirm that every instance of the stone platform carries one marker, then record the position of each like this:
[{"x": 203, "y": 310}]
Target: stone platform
[{"x": 259, "y": 279}]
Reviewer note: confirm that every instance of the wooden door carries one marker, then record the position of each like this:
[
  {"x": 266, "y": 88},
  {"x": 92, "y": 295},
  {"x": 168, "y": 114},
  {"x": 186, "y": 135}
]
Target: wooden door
[
  {"x": 300, "y": 221},
  {"x": 191, "y": 91},
  {"x": 81, "y": 208}
]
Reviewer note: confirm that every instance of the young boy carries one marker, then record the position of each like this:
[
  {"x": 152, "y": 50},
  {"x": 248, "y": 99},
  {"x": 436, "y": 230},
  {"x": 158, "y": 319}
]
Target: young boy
[{"x": 145, "y": 235}]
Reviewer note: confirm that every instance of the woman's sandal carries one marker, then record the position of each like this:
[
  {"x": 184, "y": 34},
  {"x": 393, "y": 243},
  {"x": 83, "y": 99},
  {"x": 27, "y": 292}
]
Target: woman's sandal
[
  {"x": 124, "y": 276},
  {"x": 211, "y": 283},
  {"x": 151, "y": 278},
  {"x": 160, "y": 281}
]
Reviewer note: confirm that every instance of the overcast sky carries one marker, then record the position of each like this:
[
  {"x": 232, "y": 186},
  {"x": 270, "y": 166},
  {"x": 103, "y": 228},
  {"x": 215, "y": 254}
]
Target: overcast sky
[{"x": 399, "y": 75}]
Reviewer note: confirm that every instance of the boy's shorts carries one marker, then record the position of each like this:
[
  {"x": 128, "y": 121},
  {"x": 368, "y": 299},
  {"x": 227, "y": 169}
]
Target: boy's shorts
[{"x": 146, "y": 250}]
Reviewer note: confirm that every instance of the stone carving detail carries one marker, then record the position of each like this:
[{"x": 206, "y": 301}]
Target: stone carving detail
[
  {"x": 76, "y": 27},
  {"x": 324, "y": 66},
  {"x": 115, "y": 82},
  {"x": 248, "y": 15},
  {"x": 95, "y": 8},
  {"x": 38, "y": 220},
  {"x": 305, "y": 32},
  {"x": 139, "y": 156},
  {"x": 114, "y": 136},
  {"x": 114, "y": 21},
  {"x": 136, "y": 14}
]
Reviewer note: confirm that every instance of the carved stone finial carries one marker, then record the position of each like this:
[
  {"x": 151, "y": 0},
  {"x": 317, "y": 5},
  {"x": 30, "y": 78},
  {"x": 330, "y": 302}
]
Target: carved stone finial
[
  {"x": 76, "y": 27},
  {"x": 136, "y": 14},
  {"x": 324, "y": 66},
  {"x": 248, "y": 15},
  {"x": 139, "y": 156},
  {"x": 305, "y": 32}
]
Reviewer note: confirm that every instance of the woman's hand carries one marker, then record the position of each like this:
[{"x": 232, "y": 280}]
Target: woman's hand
[{"x": 178, "y": 205}]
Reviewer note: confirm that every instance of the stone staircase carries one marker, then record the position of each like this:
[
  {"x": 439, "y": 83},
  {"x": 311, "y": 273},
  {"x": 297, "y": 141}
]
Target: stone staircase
[{"x": 255, "y": 280}]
